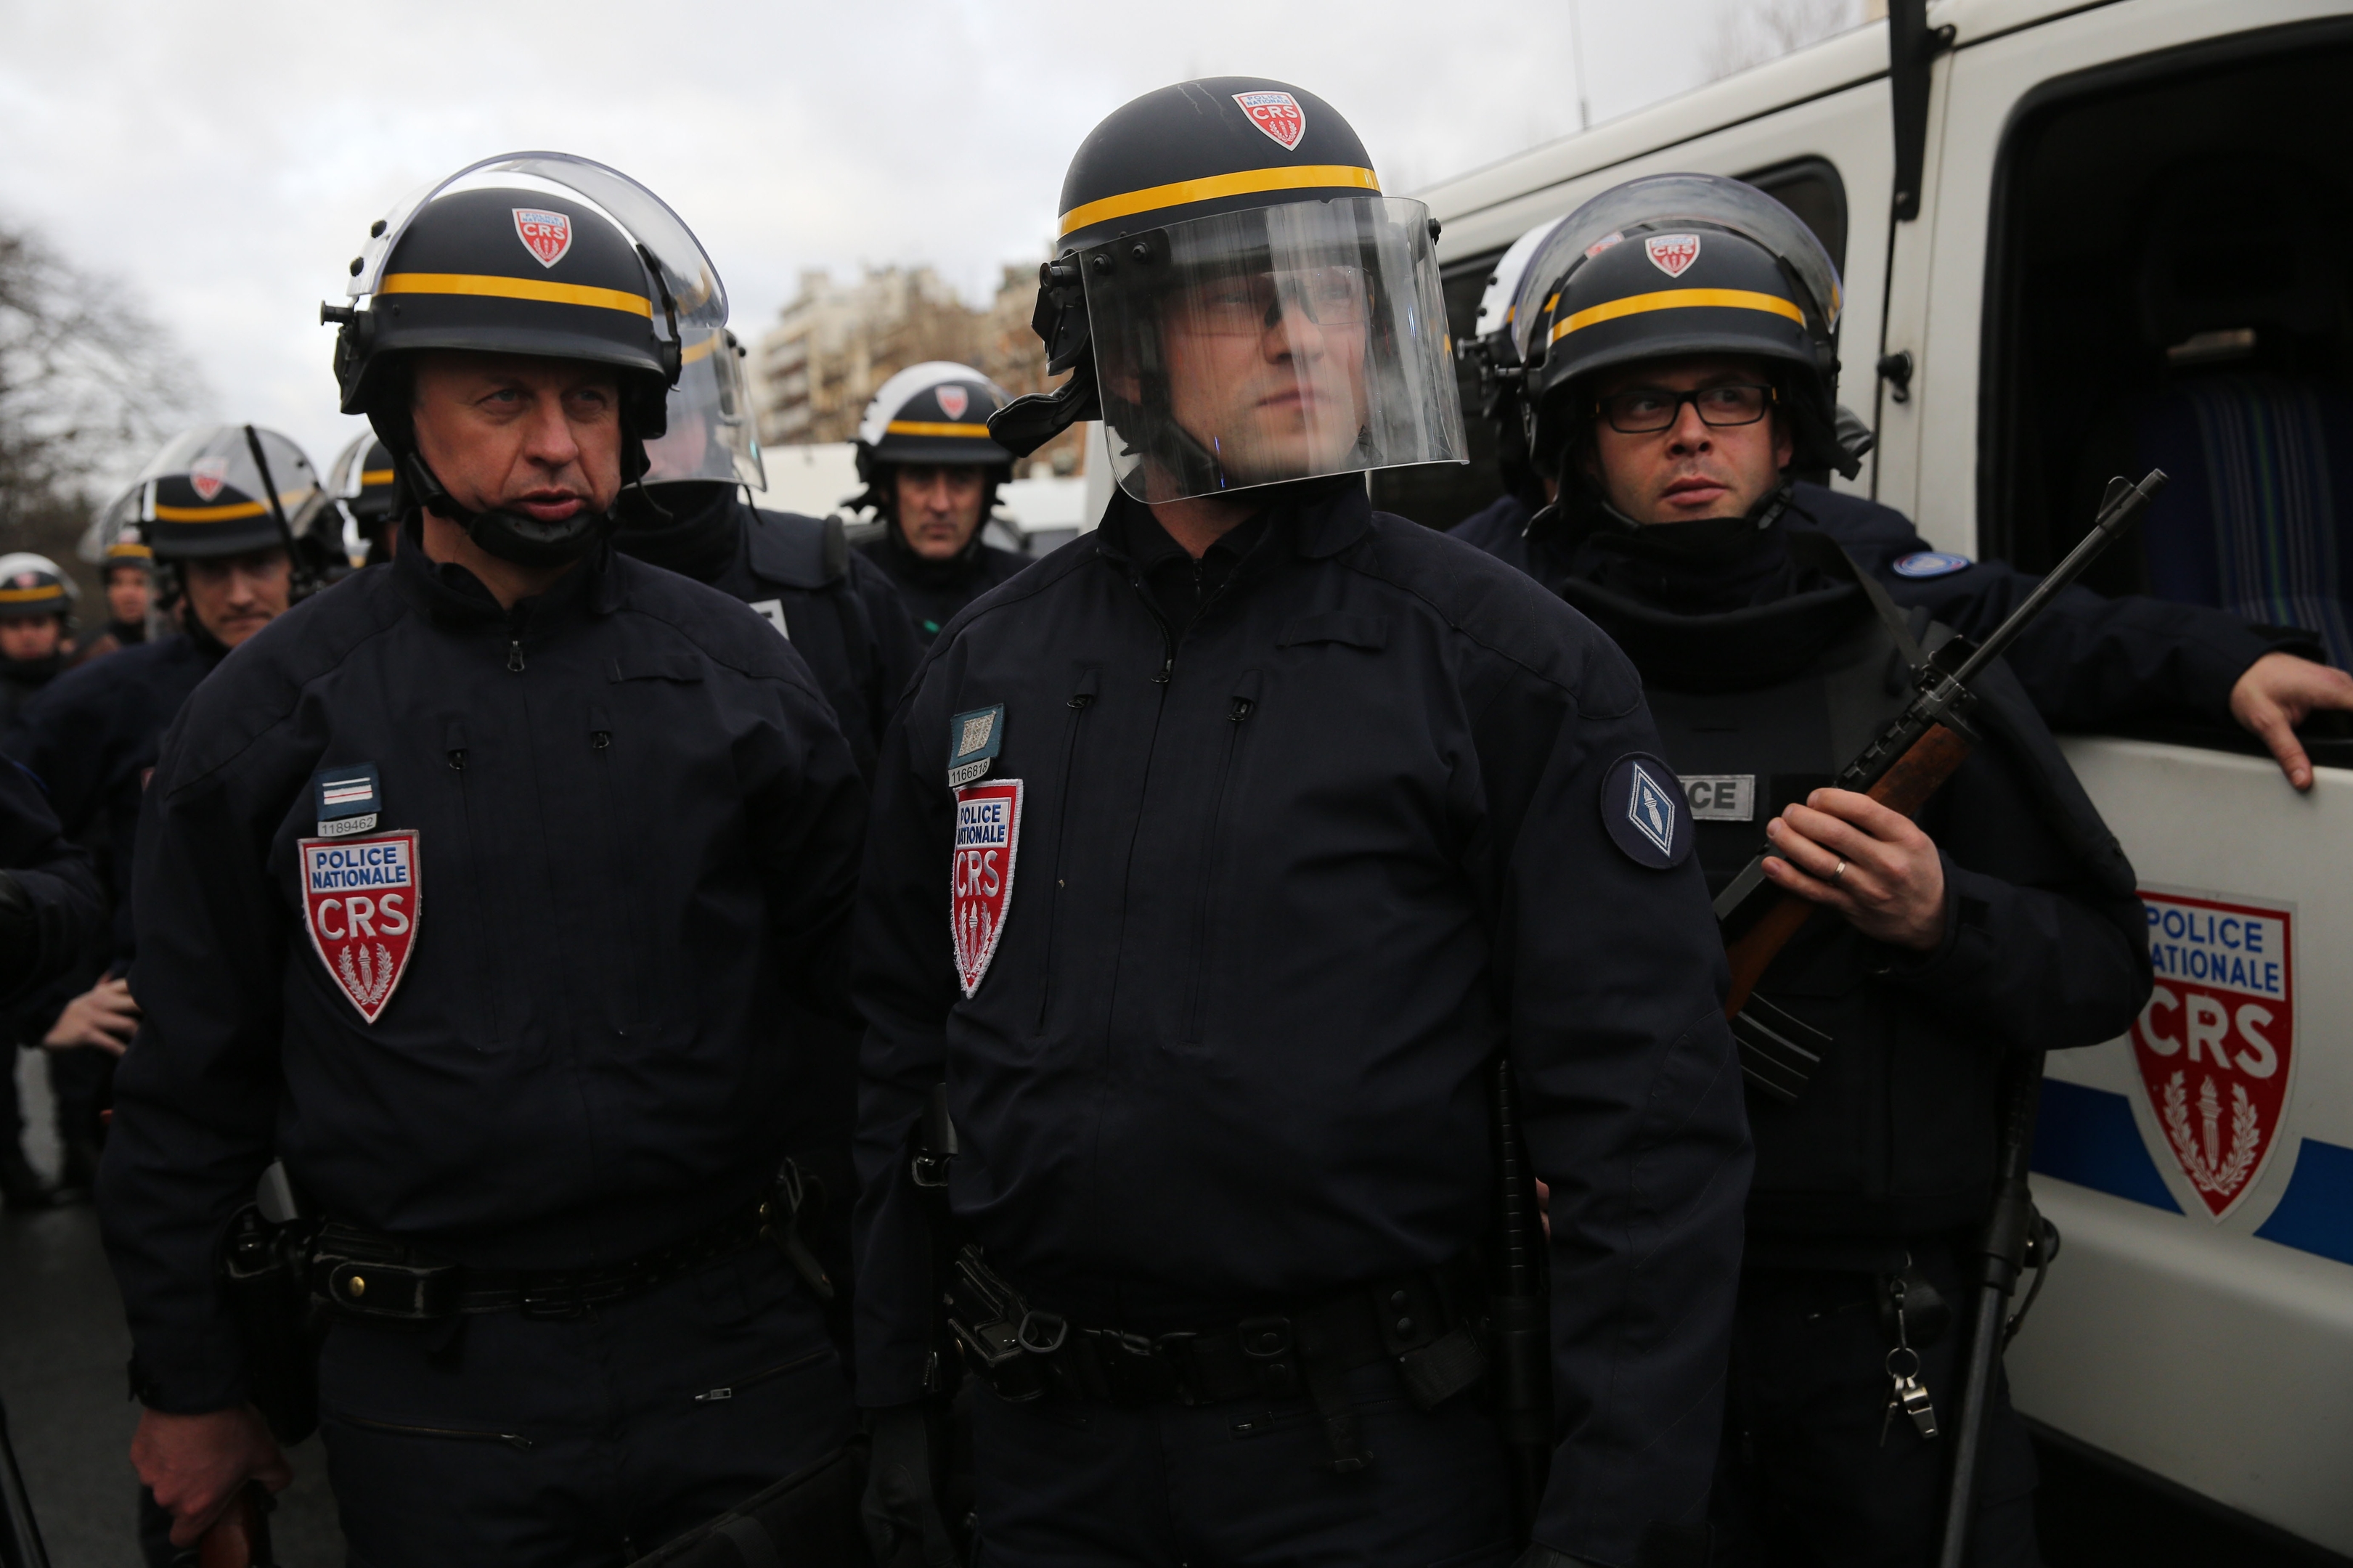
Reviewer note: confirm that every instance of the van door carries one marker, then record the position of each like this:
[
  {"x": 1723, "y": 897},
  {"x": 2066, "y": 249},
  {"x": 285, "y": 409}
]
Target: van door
[{"x": 2071, "y": 318}]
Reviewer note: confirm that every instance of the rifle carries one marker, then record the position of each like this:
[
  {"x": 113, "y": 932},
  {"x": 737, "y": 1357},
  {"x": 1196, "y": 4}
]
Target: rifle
[
  {"x": 239, "y": 1538},
  {"x": 2013, "y": 1231},
  {"x": 1902, "y": 768},
  {"x": 20, "y": 1532},
  {"x": 1523, "y": 1326}
]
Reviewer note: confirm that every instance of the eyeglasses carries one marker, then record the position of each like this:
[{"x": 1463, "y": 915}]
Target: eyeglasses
[
  {"x": 1647, "y": 410},
  {"x": 1247, "y": 306}
]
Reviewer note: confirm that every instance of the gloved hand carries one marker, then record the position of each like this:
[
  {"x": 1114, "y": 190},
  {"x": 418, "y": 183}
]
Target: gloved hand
[{"x": 902, "y": 1509}]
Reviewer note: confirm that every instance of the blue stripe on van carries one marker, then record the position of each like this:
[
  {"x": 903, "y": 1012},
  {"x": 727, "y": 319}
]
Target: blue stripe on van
[
  {"x": 2086, "y": 1136},
  {"x": 2316, "y": 1213}
]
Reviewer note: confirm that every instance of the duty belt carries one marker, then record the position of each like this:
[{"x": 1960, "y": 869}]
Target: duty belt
[
  {"x": 365, "y": 1274},
  {"x": 1428, "y": 1323}
]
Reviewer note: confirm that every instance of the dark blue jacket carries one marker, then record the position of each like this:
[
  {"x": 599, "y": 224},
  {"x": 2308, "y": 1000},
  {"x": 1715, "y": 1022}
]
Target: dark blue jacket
[
  {"x": 637, "y": 836},
  {"x": 2089, "y": 662},
  {"x": 932, "y": 592},
  {"x": 1282, "y": 885},
  {"x": 55, "y": 874}
]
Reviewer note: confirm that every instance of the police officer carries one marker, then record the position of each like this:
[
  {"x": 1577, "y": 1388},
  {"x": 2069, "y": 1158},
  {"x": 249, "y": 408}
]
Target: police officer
[
  {"x": 50, "y": 910},
  {"x": 1262, "y": 821},
  {"x": 127, "y": 569},
  {"x": 691, "y": 516},
  {"x": 1678, "y": 373},
  {"x": 2089, "y": 662},
  {"x": 205, "y": 506},
  {"x": 932, "y": 471},
  {"x": 37, "y": 604},
  {"x": 366, "y": 487},
  {"x": 472, "y": 891}
]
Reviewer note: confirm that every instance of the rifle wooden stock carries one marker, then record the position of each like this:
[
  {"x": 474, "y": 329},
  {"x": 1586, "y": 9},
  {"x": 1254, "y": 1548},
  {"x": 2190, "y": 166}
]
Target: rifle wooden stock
[
  {"x": 1905, "y": 786},
  {"x": 239, "y": 1538}
]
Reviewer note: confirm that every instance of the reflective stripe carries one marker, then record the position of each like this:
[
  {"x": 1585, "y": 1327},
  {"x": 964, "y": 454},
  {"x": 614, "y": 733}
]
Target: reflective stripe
[
  {"x": 1248, "y": 182},
  {"x": 208, "y": 513},
  {"x": 376, "y": 475},
  {"x": 26, "y": 595},
  {"x": 1678, "y": 299},
  {"x": 517, "y": 288},
  {"x": 928, "y": 427}
]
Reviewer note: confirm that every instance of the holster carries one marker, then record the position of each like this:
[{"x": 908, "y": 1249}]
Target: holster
[{"x": 265, "y": 1272}]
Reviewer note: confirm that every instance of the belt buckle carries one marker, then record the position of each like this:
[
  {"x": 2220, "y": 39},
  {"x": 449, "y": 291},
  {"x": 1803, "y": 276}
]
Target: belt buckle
[
  {"x": 1133, "y": 1371},
  {"x": 1267, "y": 1344}
]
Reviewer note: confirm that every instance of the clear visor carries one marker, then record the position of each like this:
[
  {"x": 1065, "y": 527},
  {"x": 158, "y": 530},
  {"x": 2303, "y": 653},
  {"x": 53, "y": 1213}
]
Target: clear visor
[
  {"x": 119, "y": 521},
  {"x": 710, "y": 434},
  {"x": 347, "y": 477},
  {"x": 686, "y": 269},
  {"x": 219, "y": 457},
  {"x": 1276, "y": 344},
  {"x": 1663, "y": 200}
]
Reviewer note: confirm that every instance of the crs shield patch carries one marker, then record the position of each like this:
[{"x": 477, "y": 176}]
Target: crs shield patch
[
  {"x": 987, "y": 837},
  {"x": 1643, "y": 811},
  {"x": 1276, "y": 114},
  {"x": 953, "y": 400},
  {"x": 1672, "y": 254},
  {"x": 208, "y": 475},
  {"x": 973, "y": 741},
  {"x": 2215, "y": 1044},
  {"x": 1929, "y": 563},
  {"x": 546, "y": 234},
  {"x": 361, "y": 904}
]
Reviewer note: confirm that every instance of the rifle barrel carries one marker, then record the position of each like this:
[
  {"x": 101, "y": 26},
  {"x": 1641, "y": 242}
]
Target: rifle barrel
[{"x": 2116, "y": 515}]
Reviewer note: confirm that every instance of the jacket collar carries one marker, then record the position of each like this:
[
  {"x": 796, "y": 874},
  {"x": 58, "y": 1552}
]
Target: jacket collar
[
  {"x": 1324, "y": 516},
  {"x": 448, "y": 595}
]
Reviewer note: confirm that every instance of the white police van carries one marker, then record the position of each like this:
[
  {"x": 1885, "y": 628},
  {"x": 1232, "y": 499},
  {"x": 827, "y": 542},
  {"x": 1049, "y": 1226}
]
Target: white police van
[{"x": 2125, "y": 245}]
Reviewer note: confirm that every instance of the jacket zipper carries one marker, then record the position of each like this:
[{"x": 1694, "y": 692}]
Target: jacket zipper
[
  {"x": 1081, "y": 701},
  {"x": 713, "y": 1395},
  {"x": 1245, "y": 703},
  {"x": 635, "y": 1007},
  {"x": 485, "y": 993},
  {"x": 515, "y": 1440}
]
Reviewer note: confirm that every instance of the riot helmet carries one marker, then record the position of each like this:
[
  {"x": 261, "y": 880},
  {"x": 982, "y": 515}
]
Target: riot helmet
[
  {"x": 1493, "y": 355},
  {"x": 220, "y": 489},
  {"x": 1240, "y": 303},
  {"x": 1676, "y": 264},
  {"x": 365, "y": 488},
  {"x": 542, "y": 254},
  {"x": 937, "y": 412},
  {"x": 711, "y": 436},
  {"x": 33, "y": 588},
  {"x": 128, "y": 554}
]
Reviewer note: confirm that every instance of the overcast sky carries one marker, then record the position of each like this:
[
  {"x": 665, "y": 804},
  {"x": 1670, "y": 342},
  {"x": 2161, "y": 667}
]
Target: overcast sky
[{"x": 223, "y": 160}]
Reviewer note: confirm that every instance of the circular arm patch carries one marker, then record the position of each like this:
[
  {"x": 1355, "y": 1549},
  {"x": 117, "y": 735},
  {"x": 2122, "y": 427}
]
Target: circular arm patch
[
  {"x": 1643, "y": 809},
  {"x": 1929, "y": 563}
]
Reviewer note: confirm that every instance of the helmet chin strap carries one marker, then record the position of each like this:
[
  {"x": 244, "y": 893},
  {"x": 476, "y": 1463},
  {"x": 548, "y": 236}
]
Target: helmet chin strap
[{"x": 510, "y": 536}]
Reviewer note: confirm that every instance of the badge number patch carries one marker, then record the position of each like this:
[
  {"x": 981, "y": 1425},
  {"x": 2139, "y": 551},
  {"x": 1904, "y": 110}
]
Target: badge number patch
[
  {"x": 987, "y": 837},
  {"x": 1276, "y": 114},
  {"x": 348, "y": 800},
  {"x": 361, "y": 901},
  {"x": 2216, "y": 1041},
  {"x": 1645, "y": 813},
  {"x": 546, "y": 234},
  {"x": 1672, "y": 254},
  {"x": 973, "y": 741}
]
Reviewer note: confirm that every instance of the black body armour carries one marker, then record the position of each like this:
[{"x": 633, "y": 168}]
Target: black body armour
[{"x": 1894, "y": 1138}]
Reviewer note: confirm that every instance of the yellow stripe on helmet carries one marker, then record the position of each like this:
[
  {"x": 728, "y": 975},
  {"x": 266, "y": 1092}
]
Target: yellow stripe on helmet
[
  {"x": 933, "y": 427},
  {"x": 28, "y": 596},
  {"x": 376, "y": 475},
  {"x": 536, "y": 288},
  {"x": 229, "y": 514},
  {"x": 129, "y": 550},
  {"x": 1678, "y": 299},
  {"x": 1248, "y": 182}
]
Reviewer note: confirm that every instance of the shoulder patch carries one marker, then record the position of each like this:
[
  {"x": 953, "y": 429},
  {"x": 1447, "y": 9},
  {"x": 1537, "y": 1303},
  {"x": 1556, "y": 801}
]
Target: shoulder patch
[
  {"x": 1642, "y": 808},
  {"x": 973, "y": 741},
  {"x": 1930, "y": 563}
]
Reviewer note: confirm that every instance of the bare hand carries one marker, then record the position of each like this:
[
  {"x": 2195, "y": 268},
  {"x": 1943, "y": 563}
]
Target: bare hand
[
  {"x": 104, "y": 1017},
  {"x": 1873, "y": 865},
  {"x": 196, "y": 1465},
  {"x": 2278, "y": 692},
  {"x": 1544, "y": 1207}
]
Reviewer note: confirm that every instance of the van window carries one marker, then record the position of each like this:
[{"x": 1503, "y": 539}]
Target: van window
[
  {"x": 2169, "y": 286},
  {"x": 1444, "y": 494}
]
